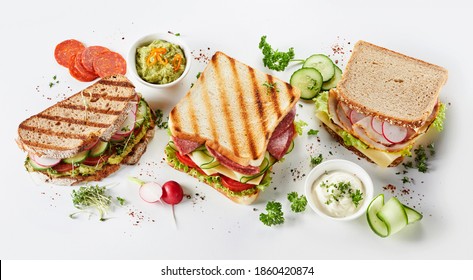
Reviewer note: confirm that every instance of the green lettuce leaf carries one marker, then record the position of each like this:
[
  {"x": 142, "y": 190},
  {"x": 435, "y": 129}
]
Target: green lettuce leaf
[
  {"x": 438, "y": 122},
  {"x": 321, "y": 102},
  {"x": 351, "y": 140}
]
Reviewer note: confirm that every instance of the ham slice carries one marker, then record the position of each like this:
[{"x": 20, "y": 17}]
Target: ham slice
[
  {"x": 278, "y": 145},
  {"x": 365, "y": 124},
  {"x": 247, "y": 170},
  {"x": 185, "y": 146}
]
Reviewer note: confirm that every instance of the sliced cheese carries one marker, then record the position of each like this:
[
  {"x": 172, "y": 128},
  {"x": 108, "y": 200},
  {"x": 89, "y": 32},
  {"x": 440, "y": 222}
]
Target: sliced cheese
[
  {"x": 381, "y": 158},
  {"x": 202, "y": 159}
]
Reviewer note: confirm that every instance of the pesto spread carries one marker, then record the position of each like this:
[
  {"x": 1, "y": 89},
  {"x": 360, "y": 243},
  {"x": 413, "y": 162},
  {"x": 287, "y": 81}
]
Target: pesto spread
[{"x": 160, "y": 62}]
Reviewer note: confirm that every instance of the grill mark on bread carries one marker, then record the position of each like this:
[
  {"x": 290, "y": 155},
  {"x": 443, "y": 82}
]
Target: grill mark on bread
[
  {"x": 229, "y": 122},
  {"x": 243, "y": 111},
  {"x": 95, "y": 96},
  {"x": 72, "y": 121},
  {"x": 107, "y": 111},
  {"x": 288, "y": 91},
  {"x": 208, "y": 108},
  {"x": 273, "y": 95},
  {"x": 62, "y": 134},
  {"x": 44, "y": 146},
  {"x": 258, "y": 101},
  {"x": 124, "y": 84}
]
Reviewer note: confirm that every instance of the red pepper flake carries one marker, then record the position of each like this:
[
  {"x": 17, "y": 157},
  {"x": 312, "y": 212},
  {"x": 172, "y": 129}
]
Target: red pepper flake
[{"x": 390, "y": 188}]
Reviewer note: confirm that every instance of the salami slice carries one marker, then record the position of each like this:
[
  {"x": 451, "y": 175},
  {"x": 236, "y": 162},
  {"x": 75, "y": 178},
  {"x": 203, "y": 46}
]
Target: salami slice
[
  {"x": 78, "y": 71},
  {"x": 109, "y": 63},
  {"x": 185, "y": 146},
  {"x": 278, "y": 145},
  {"x": 285, "y": 123},
  {"x": 90, "y": 54},
  {"x": 66, "y": 51}
]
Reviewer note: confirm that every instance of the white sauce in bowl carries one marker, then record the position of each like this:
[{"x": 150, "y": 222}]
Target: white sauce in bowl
[{"x": 338, "y": 193}]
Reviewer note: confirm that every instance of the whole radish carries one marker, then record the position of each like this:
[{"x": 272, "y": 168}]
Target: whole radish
[{"x": 172, "y": 193}]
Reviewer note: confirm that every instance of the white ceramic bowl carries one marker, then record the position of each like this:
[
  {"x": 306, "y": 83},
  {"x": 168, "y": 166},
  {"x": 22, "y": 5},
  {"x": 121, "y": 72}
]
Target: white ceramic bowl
[
  {"x": 146, "y": 40},
  {"x": 339, "y": 165}
]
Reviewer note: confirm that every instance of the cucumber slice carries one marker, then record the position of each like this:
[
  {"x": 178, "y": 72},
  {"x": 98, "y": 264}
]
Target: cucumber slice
[
  {"x": 323, "y": 64},
  {"x": 99, "y": 149},
  {"x": 172, "y": 145},
  {"x": 337, "y": 76},
  {"x": 393, "y": 215},
  {"x": 412, "y": 215},
  {"x": 308, "y": 80},
  {"x": 206, "y": 161},
  {"x": 36, "y": 166},
  {"x": 376, "y": 224},
  {"x": 80, "y": 157},
  {"x": 141, "y": 113},
  {"x": 291, "y": 147}
]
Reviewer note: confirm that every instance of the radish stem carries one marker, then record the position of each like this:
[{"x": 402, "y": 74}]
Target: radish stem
[{"x": 136, "y": 180}]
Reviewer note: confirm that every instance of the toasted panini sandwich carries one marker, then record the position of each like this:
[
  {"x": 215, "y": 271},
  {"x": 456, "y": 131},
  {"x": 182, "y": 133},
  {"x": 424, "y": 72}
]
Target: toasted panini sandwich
[
  {"x": 383, "y": 104},
  {"x": 87, "y": 136},
  {"x": 231, "y": 127}
]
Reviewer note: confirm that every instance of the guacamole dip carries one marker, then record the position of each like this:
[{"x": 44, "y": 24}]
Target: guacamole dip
[{"x": 160, "y": 62}]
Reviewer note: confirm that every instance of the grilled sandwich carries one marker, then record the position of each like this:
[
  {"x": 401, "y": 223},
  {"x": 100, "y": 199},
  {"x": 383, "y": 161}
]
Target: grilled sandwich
[
  {"x": 88, "y": 135},
  {"x": 383, "y": 104},
  {"x": 231, "y": 127}
]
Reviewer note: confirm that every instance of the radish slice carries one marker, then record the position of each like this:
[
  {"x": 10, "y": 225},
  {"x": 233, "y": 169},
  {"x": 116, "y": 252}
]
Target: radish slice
[
  {"x": 45, "y": 161},
  {"x": 394, "y": 133},
  {"x": 356, "y": 116},
  {"x": 151, "y": 192},
  {"x": 91, "y": 145},
  {"x": 377, "y": 125},
  {"x": 128, "y": 125}
]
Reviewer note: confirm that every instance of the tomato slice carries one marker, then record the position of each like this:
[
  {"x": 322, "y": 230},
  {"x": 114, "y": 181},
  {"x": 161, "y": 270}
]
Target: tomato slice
[
  {"x": 92, "y": 161},
  {"x": 186, "y": 160},
  {"x": 234, "y": 185},
  {"x": 63, "y": 167}
]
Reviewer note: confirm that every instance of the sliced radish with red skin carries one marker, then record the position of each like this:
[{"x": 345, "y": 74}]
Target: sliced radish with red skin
[
  {"x": 151, "y": 192},
  {"x": 45, "y": 161},
  {"x": 118, "y": 137},
  {"x": 356, "y": 116},
  {"x": 91, "y": 145},
  {"x": 377, "y": 125},
  {"x": 127, "y": 126},
  {"x": 394, "y": 133}
]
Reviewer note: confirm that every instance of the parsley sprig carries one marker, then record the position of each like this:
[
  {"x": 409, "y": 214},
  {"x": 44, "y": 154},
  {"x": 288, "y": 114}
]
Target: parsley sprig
[
  {"x": 274, "y": 215},
  {"x": 298, "y": 203},
  {"x": 275, "y": 59}
]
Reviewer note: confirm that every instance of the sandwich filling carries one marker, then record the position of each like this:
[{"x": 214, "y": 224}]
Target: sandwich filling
[
  {"x": 233, "y": 179},
  {"x": 96, "y": 157},
  {"x": 379, "y": 140}
]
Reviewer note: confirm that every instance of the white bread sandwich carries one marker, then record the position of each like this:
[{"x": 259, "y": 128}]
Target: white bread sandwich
[
  {"x": 87, "y": 136},
  {"x": 384, "y": 102},
  {"x": 231, "y": 127}
]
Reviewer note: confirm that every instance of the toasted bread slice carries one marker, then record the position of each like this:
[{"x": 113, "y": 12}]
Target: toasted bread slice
[
  {"x": 233, "y": 109},
  {"x": 65, "y": 128},
  {"x": 392, "y": 86}
]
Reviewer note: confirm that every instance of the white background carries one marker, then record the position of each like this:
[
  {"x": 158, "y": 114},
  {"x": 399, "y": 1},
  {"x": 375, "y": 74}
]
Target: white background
[{"x": 34, "y": 222}]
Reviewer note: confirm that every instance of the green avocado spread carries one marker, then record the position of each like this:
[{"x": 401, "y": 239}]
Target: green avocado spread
[{"x": 160, "y": 62}]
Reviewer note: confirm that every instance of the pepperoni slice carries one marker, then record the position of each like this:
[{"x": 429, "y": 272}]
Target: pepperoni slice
[
  {"x": 79, "y": 72},
  {"x": 66, "y": 51},
  {"x": 109, "y": 63},
  {"x": 90, "y": 54}
]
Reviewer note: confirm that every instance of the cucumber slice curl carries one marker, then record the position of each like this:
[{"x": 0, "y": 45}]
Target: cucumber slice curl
[{"x": 390, "y": 218}]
